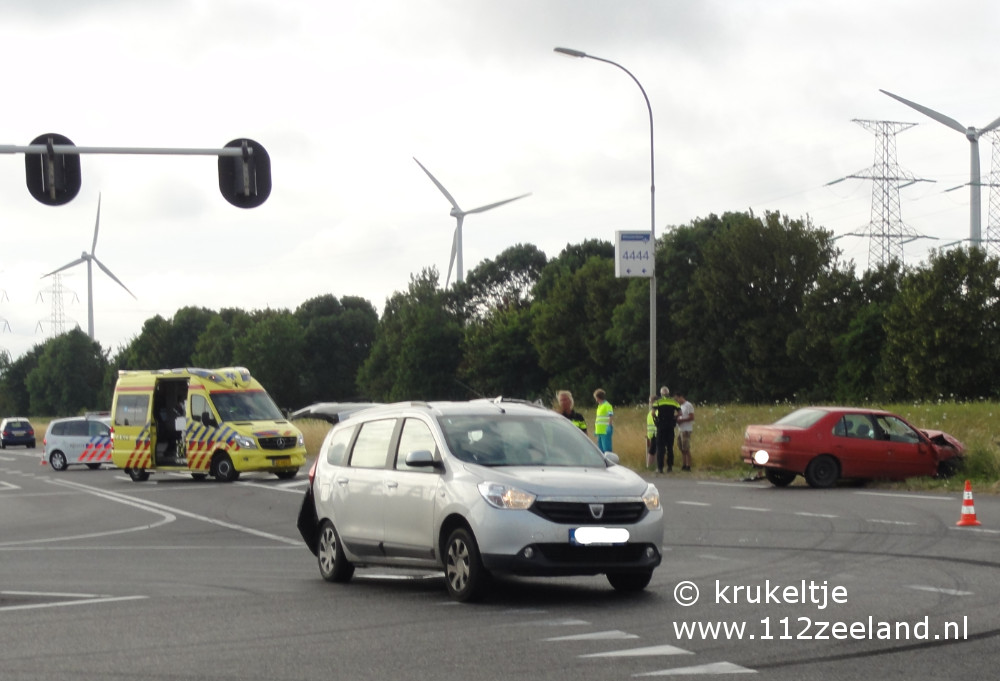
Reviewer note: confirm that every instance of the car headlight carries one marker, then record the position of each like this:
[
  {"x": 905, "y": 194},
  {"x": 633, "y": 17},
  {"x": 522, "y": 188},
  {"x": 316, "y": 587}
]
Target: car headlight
[
  {"x": 505, "y": 496},
  {"x": 246, "y": 442},
  {"x": 651, "y": 498}
]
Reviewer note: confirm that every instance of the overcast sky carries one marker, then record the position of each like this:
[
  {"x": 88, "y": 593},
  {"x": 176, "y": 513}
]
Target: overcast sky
[{"x": 752, "y": 101}]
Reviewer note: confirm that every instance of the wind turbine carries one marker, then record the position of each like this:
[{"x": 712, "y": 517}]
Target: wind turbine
[
  {"x": 459, "y": 215},
  {"x": 973, "y": 135},
  {"x": 90, "y": 258}
]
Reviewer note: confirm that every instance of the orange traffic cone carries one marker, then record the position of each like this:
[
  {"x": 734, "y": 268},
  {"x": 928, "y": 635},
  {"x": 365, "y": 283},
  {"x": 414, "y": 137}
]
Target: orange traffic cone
[{"x": 968, "y": 517}]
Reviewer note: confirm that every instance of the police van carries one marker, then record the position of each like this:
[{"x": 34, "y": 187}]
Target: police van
[{"x": 218, "y": 422}]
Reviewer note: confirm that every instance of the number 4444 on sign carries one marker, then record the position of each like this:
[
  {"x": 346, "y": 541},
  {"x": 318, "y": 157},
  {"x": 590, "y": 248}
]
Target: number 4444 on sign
[{"x": 633, "y": 254}]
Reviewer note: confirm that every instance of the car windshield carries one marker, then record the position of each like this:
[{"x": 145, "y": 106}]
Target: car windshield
[
  {"x": 519, "y": 440},
  {"x": 246, "y": 405},
  {"x": 802, "y": 418}
]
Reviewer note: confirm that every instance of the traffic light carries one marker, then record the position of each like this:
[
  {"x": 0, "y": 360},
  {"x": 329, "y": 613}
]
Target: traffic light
[
  {"x": 52, "y": 178},
  {"x": 245, "y": 180}
]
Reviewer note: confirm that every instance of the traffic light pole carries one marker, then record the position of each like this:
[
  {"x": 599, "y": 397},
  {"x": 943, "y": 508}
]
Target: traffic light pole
[{"x": 52, "y": 168}]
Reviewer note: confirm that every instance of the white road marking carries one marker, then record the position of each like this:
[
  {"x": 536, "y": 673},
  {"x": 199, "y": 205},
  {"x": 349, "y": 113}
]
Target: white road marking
[
  {"x": 76, "y": 601},
  {"x": 713, "y": 668},
  {"x": 162, "y": 509},
  {"x": 648, "y": 651},
  {"x": 934, "y": 589},
  {"x": 816, "y": 515},
  {"x": 889, "y": 522},
  {"x": 975, "y": 529},
  {"x": 614, "y": 635},
  {"x": 8, "y": 485},
  {"x": 900, "y": 495},
  {"x": 692, "y": 503},
  {"x": 751, "y": 508}
]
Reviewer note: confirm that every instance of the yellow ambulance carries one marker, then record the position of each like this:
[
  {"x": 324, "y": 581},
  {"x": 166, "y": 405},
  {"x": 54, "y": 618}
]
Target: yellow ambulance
[{"x": 218, "y": 422}]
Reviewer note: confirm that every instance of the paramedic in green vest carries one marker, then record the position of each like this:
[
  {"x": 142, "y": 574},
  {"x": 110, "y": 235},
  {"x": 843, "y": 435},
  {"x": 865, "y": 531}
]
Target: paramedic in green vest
[
  {"x": 603, "y": 425},
  {"x": 651, "y": 434},
  {"x": 665, "y": 413},
  {"x": 564, "y": 398}
]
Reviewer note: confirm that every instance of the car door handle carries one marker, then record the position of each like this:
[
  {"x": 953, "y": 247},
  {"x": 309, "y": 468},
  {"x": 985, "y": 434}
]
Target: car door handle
[
  {"x": 391, "y": 484},
  {"x": 343, "y": 481}
]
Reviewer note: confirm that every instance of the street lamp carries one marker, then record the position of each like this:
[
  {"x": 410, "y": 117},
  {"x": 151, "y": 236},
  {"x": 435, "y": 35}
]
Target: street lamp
[{"x": 652, "y": 212}]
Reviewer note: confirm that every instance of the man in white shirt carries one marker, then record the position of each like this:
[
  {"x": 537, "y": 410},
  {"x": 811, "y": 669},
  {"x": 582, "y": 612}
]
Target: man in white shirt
[{"x": 685, "y": 424}]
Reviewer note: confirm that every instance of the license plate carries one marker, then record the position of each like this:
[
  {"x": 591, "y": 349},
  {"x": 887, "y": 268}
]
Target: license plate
[
  {"x": 283, "y": 461},
  {"x": 598, "y": 536},
  {"x": 18, "y": 432}
]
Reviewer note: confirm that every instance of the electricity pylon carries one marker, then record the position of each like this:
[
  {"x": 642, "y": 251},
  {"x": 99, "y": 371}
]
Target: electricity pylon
[{"x": 887, "y": 232}]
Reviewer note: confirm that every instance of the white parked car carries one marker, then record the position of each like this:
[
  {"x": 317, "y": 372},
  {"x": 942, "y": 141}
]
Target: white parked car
[{"x": 477, "y": 488}]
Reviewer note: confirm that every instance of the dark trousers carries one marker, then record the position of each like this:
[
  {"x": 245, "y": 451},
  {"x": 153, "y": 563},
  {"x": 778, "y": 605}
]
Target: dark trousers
[{"x": 664, "y": 443}]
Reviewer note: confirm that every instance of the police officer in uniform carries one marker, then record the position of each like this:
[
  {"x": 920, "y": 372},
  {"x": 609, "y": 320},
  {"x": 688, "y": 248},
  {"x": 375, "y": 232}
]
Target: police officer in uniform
[{"x": 665, "y": 411}]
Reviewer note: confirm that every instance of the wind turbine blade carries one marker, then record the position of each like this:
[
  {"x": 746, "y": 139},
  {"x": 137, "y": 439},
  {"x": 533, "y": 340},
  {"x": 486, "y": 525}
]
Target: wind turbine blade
[
  {"x": 989, "y": 127},
  {"x": 494, "y": 205},
  {"x": 108, "y": 272},
  {"x": 439, "y": 186},
  {"x": 454, "y": 252},
  {"x": 97, "y": 224},
  {"x": 64, "y": 267},
  {"x": 939, "y": 117}
]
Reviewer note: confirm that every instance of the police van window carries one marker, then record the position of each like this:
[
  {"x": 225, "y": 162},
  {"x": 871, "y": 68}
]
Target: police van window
[
  {"x": 131, "y": 410},
  {"x": 336, "y": 446},
  {"x": 416, "y": 436},
  {"x": 79, "y": 427},
  {"x": 372, "y": 446},
  {"x": 98, "y": 429}
]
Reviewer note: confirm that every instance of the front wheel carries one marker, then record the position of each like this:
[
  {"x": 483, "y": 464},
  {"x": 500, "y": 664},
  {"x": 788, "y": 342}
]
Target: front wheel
[
  {"x": 333, "y": 564},
  {"x": 464, "y": 572},
  {"x": 630, "y": 581},
  {"x": 58, "y": 461},
  {"x": 137, "y": 474},
  {"x": 779, "y": 478},
  {"x": 223, "y": 469},
  {"x": 822, "y": 471}
]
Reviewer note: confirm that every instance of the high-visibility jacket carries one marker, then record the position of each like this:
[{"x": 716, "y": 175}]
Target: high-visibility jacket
[
  {"x": 650, "y": 425},
  {"x": 577, "y": 420},
  {"x": 604, "y": 413},
  {"x": 665, "y": 413}
]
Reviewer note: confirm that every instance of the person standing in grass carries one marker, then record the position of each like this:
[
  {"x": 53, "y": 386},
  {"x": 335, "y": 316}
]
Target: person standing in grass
[
  {"x": 564, "y": 398},
  {"x": 665, "y": 413},
  {"x": 651, "y": 434},
  {"x": 603, "y": 423},
  {"x": 685, "y": 424}
]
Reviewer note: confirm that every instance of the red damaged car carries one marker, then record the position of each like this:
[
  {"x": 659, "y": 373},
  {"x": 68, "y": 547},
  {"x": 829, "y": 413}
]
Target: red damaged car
[{"x": 825, "y": 444}]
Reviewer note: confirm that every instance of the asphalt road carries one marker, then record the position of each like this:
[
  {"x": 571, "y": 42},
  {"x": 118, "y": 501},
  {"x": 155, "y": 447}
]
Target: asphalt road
[{"x": 103, "y": 578}]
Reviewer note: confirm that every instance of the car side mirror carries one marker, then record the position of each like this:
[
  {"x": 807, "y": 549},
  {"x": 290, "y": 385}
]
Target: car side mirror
[
  {"x": 611, "y": 458},
  {"x": 208, "y": 420},
  {"x": 420, "y": 458}
]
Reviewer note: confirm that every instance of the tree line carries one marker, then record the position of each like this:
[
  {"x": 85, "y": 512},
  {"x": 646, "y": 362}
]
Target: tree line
[{"x": 750, "y": 309}]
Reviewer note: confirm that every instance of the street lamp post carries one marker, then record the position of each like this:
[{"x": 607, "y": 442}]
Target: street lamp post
[{"x": 652, "y": 212}]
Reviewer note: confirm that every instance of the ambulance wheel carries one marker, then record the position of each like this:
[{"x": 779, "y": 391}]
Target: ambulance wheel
[
  {"x": 287, "y": 475},
  {"x": 137, "y": 474},
  {"x": 223, "y": 469},
  {"x": 57, "y": 460}
]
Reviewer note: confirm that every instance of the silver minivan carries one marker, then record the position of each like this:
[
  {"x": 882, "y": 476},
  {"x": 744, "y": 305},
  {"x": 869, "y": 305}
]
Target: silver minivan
[
  {"x": 78, "y": 440},
  {"x": 475, "y": 489}
]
